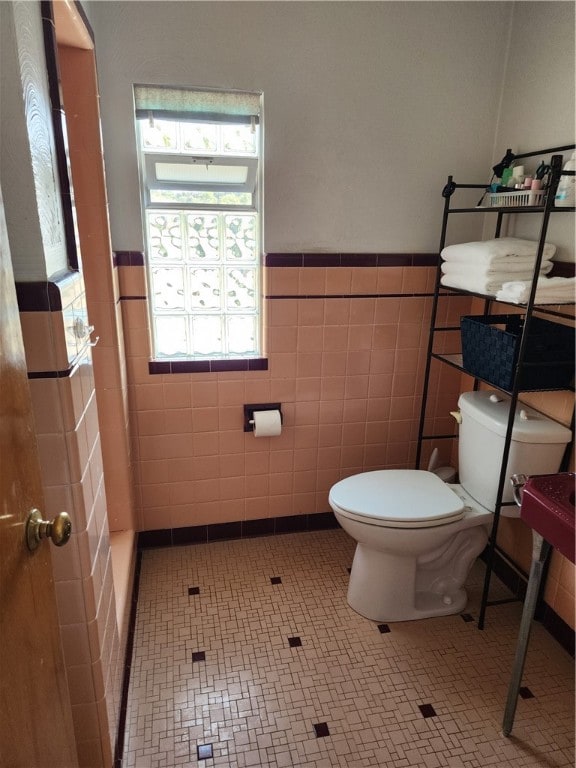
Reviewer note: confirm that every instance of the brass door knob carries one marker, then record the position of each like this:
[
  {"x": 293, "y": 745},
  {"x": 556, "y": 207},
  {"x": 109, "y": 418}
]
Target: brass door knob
[{"x": 58, "y": 530}]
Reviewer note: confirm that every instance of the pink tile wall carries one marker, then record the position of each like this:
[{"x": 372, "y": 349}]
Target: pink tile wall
[
  {"x": 348, "y": 372},
  {"x": 68, "y": 438}
]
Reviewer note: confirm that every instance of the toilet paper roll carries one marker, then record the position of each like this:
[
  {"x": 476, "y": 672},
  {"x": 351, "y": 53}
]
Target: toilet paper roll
[{"x": 267, "y": 423}]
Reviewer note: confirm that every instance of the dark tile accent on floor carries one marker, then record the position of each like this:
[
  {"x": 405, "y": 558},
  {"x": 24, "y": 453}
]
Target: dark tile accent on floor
[
  {"x": 427, "y": 710},
  {"x": 198, "y": 656},
  {"x": 204, "y": 751},
  {"x": 294, "y": 642},
  {"x": 321, "y": 729},
  {"x": 275, "y": 580},
  {"x": 349, "y": 570},
  {"x": 526, "y": 693},
  {"x": 193, "y": 590},
  {"x": 467, "y": 617},
  {"x": 383, "y": 628}
]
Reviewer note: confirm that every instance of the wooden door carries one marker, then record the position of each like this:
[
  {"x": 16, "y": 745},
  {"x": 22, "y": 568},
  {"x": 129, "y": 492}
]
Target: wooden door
[{"x": 35, "y": 716}]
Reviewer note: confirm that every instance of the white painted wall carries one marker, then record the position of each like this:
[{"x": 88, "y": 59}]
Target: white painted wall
[
  {"x": 538, "y": 107},
  {"x": 367, "y": 108}
]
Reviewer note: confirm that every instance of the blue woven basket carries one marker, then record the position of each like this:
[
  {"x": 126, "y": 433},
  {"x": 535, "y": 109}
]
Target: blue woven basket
[{"x": 491, "y": 343}]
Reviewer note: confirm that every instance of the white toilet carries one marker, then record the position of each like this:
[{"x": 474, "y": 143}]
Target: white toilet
[{"x": 418, "y": 537}]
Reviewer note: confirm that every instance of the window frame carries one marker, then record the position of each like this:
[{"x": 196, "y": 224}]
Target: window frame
[
  {"x": 151, "y": 181},
  {"x": 148, "y": 181}
]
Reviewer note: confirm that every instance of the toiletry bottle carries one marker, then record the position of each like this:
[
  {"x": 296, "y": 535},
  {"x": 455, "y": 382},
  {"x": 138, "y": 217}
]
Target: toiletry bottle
[
  {"x": 566, "y": 192},
  {"x": 507, "y": 177},
  {"x": 517, "y": 176}
]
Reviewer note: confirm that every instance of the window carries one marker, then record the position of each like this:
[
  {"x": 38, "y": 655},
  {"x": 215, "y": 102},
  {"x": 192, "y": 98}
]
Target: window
[{"x": 199, "y": 157}]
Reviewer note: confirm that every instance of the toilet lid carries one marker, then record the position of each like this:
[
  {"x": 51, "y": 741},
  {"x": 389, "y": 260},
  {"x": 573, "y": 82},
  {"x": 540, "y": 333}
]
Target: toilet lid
[{"x": 398, "y": 497}]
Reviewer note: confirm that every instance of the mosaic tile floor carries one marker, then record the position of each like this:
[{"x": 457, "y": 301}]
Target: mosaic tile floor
[{"x": 247, "y": 654}]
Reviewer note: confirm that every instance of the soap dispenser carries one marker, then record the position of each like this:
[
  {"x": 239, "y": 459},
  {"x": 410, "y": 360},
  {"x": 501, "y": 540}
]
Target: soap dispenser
[{"x": 566, "y": 192}]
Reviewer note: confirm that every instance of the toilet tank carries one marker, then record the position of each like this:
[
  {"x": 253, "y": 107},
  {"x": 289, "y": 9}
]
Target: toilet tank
[{"x": 537, "y": 445}]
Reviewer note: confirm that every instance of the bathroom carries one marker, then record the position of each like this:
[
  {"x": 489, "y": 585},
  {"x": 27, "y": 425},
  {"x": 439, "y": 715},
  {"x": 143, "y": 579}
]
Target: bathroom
[{"x": 390, "y": 97}]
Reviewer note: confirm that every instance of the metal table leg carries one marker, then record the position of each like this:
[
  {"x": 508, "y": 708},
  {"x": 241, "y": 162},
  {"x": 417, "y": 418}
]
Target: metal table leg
[{"x": 540, "y": 550}]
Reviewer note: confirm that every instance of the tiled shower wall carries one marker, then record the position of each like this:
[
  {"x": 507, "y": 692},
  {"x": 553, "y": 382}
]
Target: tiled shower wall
[{"x": 65, "y": 412}]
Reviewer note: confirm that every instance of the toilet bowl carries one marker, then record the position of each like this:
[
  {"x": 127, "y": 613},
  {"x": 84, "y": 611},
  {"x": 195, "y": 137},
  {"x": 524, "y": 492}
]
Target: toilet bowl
[
  {"x": 416, "y": 541},
  {"x": 417, "y": 536}
]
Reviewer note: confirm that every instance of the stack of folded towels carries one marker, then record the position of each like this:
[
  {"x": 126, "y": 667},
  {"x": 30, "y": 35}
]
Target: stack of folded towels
[
  {"x": 549, "y": 290},
  {"x": 484, "y": 267}
]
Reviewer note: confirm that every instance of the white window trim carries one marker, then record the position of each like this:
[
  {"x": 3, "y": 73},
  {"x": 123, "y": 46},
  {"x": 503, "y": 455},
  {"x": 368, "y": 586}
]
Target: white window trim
[{"x": 151, "y": 181}]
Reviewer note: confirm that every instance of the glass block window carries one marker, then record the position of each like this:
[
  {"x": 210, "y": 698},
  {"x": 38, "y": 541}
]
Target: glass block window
[{"x": 199, "y": 178}]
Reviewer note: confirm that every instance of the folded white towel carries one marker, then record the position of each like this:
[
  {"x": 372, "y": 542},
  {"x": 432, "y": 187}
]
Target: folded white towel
[
  {"x": 502, "y": 272},
  {"x": 484, "y": 285},
  {"x": 499, "y": 251},
  {"x": 549, "y": 290}
]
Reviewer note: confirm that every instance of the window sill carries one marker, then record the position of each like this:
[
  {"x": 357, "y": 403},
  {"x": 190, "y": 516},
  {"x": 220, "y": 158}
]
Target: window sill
[{"x": 208, "y": 366}]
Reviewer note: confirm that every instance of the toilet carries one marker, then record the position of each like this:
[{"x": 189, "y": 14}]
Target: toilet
[{"x": 417, "y": 537}]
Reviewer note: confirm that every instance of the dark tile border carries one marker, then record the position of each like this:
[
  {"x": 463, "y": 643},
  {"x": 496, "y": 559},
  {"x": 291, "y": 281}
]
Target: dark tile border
[
  {"x": 44, "y": 295},
  {"x": 120, "y": 735},
  {"x": 517, "y": 581},
  {"x": 137, "y": 259},
  {"x": 128, "y": 258},
  {"x": 63, "y": 374},
  {"x": 208, "y": 366},
  {"x": 351, "y": 259},
  {"x": 245, "y": 529}
]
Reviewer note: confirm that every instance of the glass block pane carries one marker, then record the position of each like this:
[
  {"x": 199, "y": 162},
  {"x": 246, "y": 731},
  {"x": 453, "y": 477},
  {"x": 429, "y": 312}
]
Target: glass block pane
[
  {"x": 203, "y": 240},
  {"x": 205, "y": 291},
  {"x": 164, "y": 236},
  {"x": 238, "y": 139},
  {"x": 240, "y": 289},
  {"x": 170, "y": 336},
  {"x": 168, "y": 288},
  {"x": 241, "y": 334},
  {"x": 240, "y": 233},
  {"x": 207, "y": 335},
  {"x": 199, "y": 137},
  {"x": 159, "y": 134}
]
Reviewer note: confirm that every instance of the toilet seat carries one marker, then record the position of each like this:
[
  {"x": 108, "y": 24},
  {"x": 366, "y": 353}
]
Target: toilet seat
[{"x": 397, "y": 498}]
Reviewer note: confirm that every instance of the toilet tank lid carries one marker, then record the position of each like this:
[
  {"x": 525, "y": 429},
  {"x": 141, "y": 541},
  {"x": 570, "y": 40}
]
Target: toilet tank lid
[
  {"x": 398, "y": 495},
  {"x": 491, "y": 409}
]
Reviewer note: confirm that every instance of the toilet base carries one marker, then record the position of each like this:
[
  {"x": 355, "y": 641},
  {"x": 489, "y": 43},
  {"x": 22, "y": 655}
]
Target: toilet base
[
  {"x": 383, "y": 587},
  {"x": 427, "y": 605}
]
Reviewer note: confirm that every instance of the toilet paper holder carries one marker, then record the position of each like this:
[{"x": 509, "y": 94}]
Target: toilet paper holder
[{"x": 249, "y": 413}]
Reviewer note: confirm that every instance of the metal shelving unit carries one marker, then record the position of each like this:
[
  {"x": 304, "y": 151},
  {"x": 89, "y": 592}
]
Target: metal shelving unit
[{"x": 454, "y": 360}]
